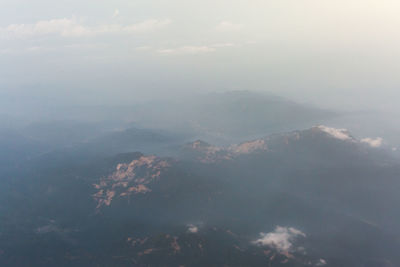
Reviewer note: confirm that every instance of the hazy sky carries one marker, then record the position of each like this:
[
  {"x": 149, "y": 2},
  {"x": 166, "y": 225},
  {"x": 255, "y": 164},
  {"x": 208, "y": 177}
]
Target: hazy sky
[{"x": 336, "y": 52}]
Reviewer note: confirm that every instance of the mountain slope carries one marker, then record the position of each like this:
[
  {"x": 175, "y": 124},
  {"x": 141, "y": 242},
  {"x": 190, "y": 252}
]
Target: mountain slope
[{"x": 303, "y": 198}]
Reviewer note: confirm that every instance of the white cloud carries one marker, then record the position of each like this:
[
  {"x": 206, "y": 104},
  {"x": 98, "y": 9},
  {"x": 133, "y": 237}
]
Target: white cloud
[
  {"x": 227, "y": 26},
  {"x": 72, "y": 28},
  {"x": 188, "y": 50},
  {"x": 141, "y": 27},
  {"x": 281, "y": 239},
  {"x": 373, "y": 142},
  {"x": 193, "y": 229},
  {"x": 116, "y": 13},
  {"x": 342, "y": 134},
  {"x": 321, "y": 262},
  {"x": 195, "y": 49},
  {"x": 63, "y": 27}
]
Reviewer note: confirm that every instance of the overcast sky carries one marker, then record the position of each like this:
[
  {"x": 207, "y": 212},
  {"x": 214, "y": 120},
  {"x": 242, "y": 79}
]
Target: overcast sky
[{"x": 330, "y": 52}]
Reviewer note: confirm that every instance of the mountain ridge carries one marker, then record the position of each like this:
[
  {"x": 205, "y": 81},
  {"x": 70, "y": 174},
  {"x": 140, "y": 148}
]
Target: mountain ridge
[{"x": 273, "y": 202}]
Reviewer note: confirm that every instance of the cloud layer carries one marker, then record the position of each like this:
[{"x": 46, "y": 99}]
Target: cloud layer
[{"x": 73, "y": 28}]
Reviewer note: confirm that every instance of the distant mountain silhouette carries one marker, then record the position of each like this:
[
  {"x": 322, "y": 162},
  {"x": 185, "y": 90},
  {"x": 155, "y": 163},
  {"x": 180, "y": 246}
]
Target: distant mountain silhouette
[{"x": 231, "y": 116}]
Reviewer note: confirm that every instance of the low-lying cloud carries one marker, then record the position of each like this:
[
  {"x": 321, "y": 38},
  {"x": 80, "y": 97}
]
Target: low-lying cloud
[
  {"x": 193, "y": 229},
  {"x": 281, "y": 238},
  {"x": 373, "y": 142},
  {"x": 341, "y": 134}
]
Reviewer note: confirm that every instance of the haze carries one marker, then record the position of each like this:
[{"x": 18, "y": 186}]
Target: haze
[
  {"x": 199, "y": 133},
  {"x": 337, "y": 54}
]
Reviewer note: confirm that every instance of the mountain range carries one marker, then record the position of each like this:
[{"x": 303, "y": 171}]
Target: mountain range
[{"x": 314, "y": 197}]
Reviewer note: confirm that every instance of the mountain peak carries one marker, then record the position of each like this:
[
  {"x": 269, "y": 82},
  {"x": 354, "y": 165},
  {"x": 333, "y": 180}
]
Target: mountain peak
[
  {"x": 130, "y": 178},
  {"x": 199, "y": 144},
  {"x": 208, "y": 153}
]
